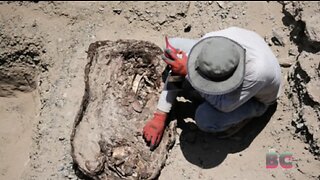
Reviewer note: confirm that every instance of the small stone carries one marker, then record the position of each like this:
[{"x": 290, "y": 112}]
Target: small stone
[
  {"x": 277, "y": 39},
  {"x": 96, "y": 165},
  {"x": 34, "y": 24},
  {"x": 61, "y": 138},
  {"x": 235, "y": 17},
  {"x": 285, "y": 62},
  {"x": 61, "y": 168},
  {"x": 119, "y": 153},
  {"x": 117, "y": 11},
  {"x": 300, "y": 125},
  {"x": 137, "y": 106},
  {"x": 172, "y": 15},
  {"x": 187, "y": 29},
  {"x": 71, "y": 176},
  {"x": 293, "y": 52},
  {"x": 268, "y": 40}
]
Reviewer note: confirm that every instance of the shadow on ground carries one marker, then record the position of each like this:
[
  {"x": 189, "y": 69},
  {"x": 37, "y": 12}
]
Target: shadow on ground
[{"x": 204, "y": 149}]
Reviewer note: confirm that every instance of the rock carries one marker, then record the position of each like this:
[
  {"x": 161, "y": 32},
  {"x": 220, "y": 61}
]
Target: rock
[
  {"x": 235, "y": 17},
  {"x": 293, "y": 52},
  {"x": 187, "y": 29},
  {"x": 312, "y": 28},
  {"x": 285, "y": 62},
  {"x": 61, "y": 168},
  {"x": 313, "y": 90},
  {"x": 61, "y": 138},
  {"x": 119, "y": 153},
  {"x": 300, "y": 125},
  {"x": 277, "y": 39},
  {"x": 137, "y": 106},
  {"x": 71, "y": 176},
  {"x": 162, "y": 19},
  {"x": 34, "y": 24},
  {"x": 117, "y": 11},
  {"x": 268, "y": 40}
]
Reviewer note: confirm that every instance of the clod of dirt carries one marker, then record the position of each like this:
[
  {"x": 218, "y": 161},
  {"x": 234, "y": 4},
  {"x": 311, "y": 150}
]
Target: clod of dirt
[{"x": 106, "y": 143}]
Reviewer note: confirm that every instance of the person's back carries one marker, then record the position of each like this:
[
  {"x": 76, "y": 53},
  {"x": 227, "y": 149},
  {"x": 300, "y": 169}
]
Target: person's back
[{"x": 261, "y": 63}]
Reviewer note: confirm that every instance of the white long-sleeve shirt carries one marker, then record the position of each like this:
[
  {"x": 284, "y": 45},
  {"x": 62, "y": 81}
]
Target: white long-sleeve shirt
[{"x": 262, "y": 74}]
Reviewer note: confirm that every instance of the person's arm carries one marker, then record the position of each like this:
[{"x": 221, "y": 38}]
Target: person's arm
[
  {"x": 153, "y": 130},
  {"x": 167, "y": 98}
]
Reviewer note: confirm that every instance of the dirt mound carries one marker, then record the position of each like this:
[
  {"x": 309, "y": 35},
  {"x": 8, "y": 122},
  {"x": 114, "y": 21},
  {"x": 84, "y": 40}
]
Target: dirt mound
[
  {"x": 122, "y": 82},
  {"x": 19, "y": 60}
]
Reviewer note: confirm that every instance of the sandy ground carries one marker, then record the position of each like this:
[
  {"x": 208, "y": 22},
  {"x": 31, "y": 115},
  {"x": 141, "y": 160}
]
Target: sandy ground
[
  {"x": 18, "y": 114},
  {"x": 35, "y": 125}
]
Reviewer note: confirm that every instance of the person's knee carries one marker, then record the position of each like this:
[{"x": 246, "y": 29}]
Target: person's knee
[{"x": 204, "y": 120}]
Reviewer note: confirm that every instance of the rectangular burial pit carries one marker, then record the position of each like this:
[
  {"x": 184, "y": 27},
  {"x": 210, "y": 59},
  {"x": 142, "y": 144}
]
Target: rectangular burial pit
[{"x": 122, "y": 85}]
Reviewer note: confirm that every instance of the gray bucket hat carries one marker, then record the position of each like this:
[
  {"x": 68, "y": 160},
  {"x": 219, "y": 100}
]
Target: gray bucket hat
[{"x": 216, "y": 65}]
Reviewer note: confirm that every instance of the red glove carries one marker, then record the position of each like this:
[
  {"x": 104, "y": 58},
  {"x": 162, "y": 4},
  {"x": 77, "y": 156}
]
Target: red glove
[
  {"x": 153, "y": 130},
  {"x": 176, "y": 59}
]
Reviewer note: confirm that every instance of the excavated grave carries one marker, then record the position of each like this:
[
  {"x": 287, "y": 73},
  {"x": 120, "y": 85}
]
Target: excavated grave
[{"x": 122, "y": 84}]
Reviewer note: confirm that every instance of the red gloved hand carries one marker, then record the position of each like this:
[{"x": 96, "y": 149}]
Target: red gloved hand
[
  {"x": 177, "y": 61},
  {"x": 153, "y": 130},
  {"x": 176, "y": 58}
]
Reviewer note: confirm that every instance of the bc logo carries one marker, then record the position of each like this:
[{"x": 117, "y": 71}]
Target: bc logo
[{"x": 285, "y": 160}]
